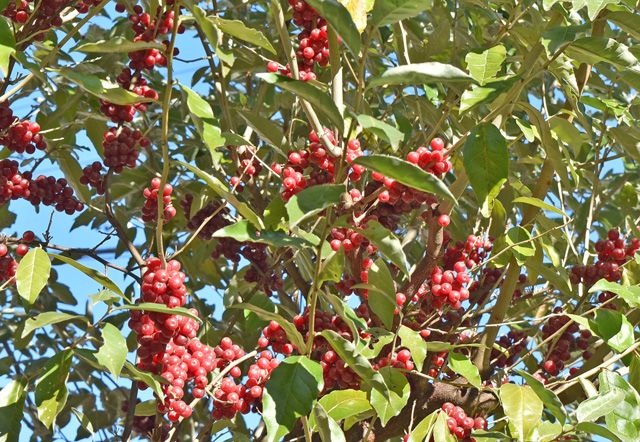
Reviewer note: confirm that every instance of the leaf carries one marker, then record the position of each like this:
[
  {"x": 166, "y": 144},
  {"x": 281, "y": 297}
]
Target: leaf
[
  {"x": 485, "y": 159},
  {"x": 382, "y": 130},
  {"x": 412, "y": 340},
  {"x": 406, "y": 173},
  {"x": 346, "y": 313},
  {"x": 85, "y": 422},
  {"x": 519, "y": 240},
  {"x": 146, "y": 408},
  {"x": 624, "y": 420},
  {"x": 382, "y": 293},
  {"x": 12, "y": 397},
  {"x": 592, "y": 50},
  {"x": 113, "y": 352},
  {"x": 342, "y": 404},
  {"x": 548, "y": 397},
  {"x": 557, "y": 36},
  {"x": 591, "y": 428},
  {"x": 441, "y": 431},
  {"x": 290, "y": 393},
  {"x": 312, "y": 200},
  {"x": 631, "y": 294},
  {"x": 422, "y": 432},
  {"x": 353, "y": 359},
  {"x": 478, "y": 94},
  {"x": 421, "y": 73},
  {"x": 318, "y": 99},
  {"x": 627, "y": 21},
  {"x": 484, "y": 66},
  {"x": 523, "y": 408},
  {"x": 243, "y": 231},
  {"x": 159, "y": 308},
  {"x": 266, "y": 129},
  {"x": 598, "y": 406},
  {"x": 51, "y": 387},
  {"x": 290, "y": 329},
  {"x": 387, "y": 12},
  {"x": 358, "y": 10},
  {"x": 538, "y": 203},
  {"x": 91, "y": 273},
  {"x": 220, "y": 189},
  {"x": 398, "y": 390},
  {"x": 464, "y": 367},
  {"x": 328, "y": 428},
  {"x": 595, "y": 6},
  {"x": 205, "y": 122},
  {"x": 634, "y": 373},
  {"x": 102, "y": 89},
  {"x": 387, "y": 244},
  {"x": 32, "y": 274},
  {"x": 239, "y": 30},
  {"x": 615, "y": 329},
  {"x": 151, "y": 380},
  {"x": 7, "y": 44},
  {"x": 340, "y": 21},
  {"x": 117, "y": 44},
  {"x": 46, "y": 318}
]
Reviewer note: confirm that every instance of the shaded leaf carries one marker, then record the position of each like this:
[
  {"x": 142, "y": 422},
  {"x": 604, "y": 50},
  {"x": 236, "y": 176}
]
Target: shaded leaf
[
  {"x": 117, "y": 44},
  {"x": 461, "y": 364},
  {"x": 382, "y": 130},
  {"x": 47, "y": 318},
  {"x": 102, "y": 89},
  {"x": 387, "y": 12},
  {"x": 239, "y": 30},
  {"x": 328, "y": 428},
  {"x": 12, "y": 397},
  {"x": 387, "y": 244},
  {"x": 421, "y": 73},
  {"x": 91, "y": 273}
]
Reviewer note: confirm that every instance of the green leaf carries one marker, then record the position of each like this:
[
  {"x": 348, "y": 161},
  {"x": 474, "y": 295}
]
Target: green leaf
[
  {"x": 290, "y": 393},
  {"x": 51, "y": 387},
  {"x": 624, "y": 420},
  {"x": 342, "y": 404},
  {"x": 421, "y": 73},
  {"x": 592, "y": 428},
  {"x": 151, "y": 380},
  {"x": 243, "y": 231},
  {"x": 382, "y": 130},
  {"x": 461, "y": 364},
  {"x": 117, "y": 44},
  {"x": 371, "y": 347},
  {"x": 113, "y": 352},
  {"x": 548, "y": 397},
  {"x": 592, "y": 50},
  {"x": 219, "y": 188},
  {"x": 266, "y": 129},
  {"x": 205, "y": 122},
  {"x": 312, "y": 200},
  {"x": 627, "y": 21},
  {"x": 398, "y": 390},
  {"x": 340, "y": 21},
  {"x": 615, "y": 329},
  {"x": 594, "y": 6},
  {"x": 85, "y": 422},
  {"x": 12, "y": 397},
  {"x": 146, "y": 408},
  {"x": 32, "y": 274},
  {"x": 634, "y": 373},
  {"x": 100, "y": 88},
  {"x": 519, "y": 239},
  {"x": 91, "y": 273},
  {"x": 441, "y": 431},
  {"x": 239, "y": 30},
  {"x": 422, "y": 432},
  {"x": 486, "y": 159},
  {"x": 159, "y": 308},
  {"x": 631, "y": 294},
  {"x": 328, "y": 428},
  {"x": 47, "y": 318},
  {"x": 290, "y": 329},
  {"x": 484, "y": 66},
  {"x": 412, "y": 340},
  {"x": 7, "y": 44},
  {"x": 387, "y": 12},
  {"x": 318, "y": 99},
  {"x": 406, "y": 173},
  {"x": 353, "y": 359},
  {"x": 387, "y": 243},
  {"x": 478, "y": 94},
  {"x": 523, "y": 408},
  {"x": 382, "y": 292},
  {"x": 598, "y": 406},
  {"x": 346, "y": 313},
  {"x": 536, "y": 202}
]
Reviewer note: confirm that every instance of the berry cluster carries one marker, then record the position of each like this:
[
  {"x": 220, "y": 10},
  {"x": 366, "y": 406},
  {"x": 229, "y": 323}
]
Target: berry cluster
[
  {"x": 167, "y": 344},
  {"x": 91, "y": 176},
  {"x": 613, "y": 252},
  {"x": 314, "y": 165},
  {"x": 13, "y": 185},
  {"x": 150, "y": 208},
  {"x": 249, "y": 166},
  {"x": 21, "y": 136},
  {"x": 401, "y": 359},
  {"x": 54, "y": 192},
  {"x": 513, "y": 343},
  {"x": 460, "y": 424},
  {"x": 568, "y": 342}
]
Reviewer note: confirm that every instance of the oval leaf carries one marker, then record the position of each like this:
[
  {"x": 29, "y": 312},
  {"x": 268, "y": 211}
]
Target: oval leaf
[
  {"x": 113, "y": 352},
  {"x": 91, "y": 273},
  {"x": 421, "y": 73},
  {"x": 32, "y": 274}
]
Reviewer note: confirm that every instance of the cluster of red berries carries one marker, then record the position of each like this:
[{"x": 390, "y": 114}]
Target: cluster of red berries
[
  {"x": 315, "y": 165},
  {"x": 167, "y": 344},
  {"x": 274, "y": 335},
  {"x": 613, "y": 252},
  {"x": 13, "y": 185},
  {"x": 560, "y": 351},
  {"x": 249, "y": 166},
  {"x": 461, "y": 425},
  {"x": 432, "y": 159},
  {"x": 19, "y": 136},
  {"x": 121, "y": 147},
  {"x": 513, "y": 343},
  {"x": 92, "y": 177},
  {"x": 43, "y": 15},
  {"x": 401, "y": 359},
  {"x": 150, "y": 208}
]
